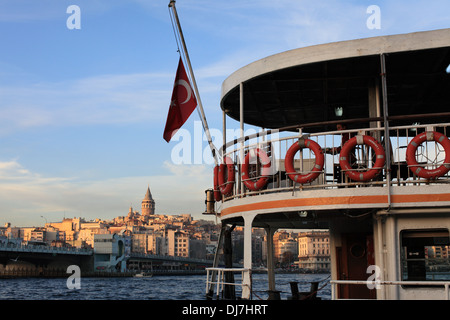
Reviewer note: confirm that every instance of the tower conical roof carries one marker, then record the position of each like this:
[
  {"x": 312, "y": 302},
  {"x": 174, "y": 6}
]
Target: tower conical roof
[{"x": 148, "y": 195}]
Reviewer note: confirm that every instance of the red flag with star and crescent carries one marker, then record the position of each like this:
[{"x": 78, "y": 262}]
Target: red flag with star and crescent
[{"x": 183, "y": 103}]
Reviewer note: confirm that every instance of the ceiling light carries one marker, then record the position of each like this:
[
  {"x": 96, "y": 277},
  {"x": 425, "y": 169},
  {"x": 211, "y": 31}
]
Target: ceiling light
[
  {"x": 303, "y": 214},
  {"x": 338, "y": 111}
]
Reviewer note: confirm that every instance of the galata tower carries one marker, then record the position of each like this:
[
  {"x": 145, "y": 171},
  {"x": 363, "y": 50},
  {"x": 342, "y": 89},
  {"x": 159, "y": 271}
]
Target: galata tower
[{"x": 148, "y": 204}]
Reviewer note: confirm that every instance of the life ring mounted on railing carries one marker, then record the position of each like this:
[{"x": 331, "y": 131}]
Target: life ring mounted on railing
[
  {"x": 217, "y": 195},
  {"x": 417, "y": 168},
  {"x": 344, "y": 158},
  {"x": 266, "y": 163},
  {"x": 222, "y": 187},
  {"x": 318, "y": 165},
  {"x": 226, "y": 187}
]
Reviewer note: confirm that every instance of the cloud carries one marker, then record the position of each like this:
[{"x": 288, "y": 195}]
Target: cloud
[
  {"x": 25, "y": 196},
  {"x": 24, "y": 11},
  {"x": 28, "y": 10},
  {"x": 105, "y": 99}
]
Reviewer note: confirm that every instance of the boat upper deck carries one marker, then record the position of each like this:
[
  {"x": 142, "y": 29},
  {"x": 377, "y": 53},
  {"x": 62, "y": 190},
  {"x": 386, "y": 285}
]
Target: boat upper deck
[
  {"x": 305, "y": 85},
  {"x": 355, "y": 125}
]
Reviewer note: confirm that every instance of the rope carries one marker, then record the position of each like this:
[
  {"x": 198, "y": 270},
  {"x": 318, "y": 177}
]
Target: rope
[
  {"x": 174, "y": 31},
  {"x": 314, "y": 292},
  {"x": 178, "y": 41},
  {"x": 257, "y": 296}
]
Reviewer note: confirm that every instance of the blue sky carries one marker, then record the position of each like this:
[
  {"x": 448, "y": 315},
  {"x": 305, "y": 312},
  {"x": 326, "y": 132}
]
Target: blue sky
[{"x": 82, "y": 112}]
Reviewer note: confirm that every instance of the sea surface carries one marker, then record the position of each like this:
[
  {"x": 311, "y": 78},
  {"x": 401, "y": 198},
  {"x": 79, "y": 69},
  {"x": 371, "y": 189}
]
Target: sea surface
[{"x": 191, "y": 287}]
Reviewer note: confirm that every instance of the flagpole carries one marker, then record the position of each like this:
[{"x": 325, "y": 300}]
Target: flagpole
[{"x": 194, "y": 83}]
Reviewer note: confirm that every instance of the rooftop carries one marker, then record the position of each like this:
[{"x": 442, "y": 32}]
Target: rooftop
[{"x": 305, "y": 85}]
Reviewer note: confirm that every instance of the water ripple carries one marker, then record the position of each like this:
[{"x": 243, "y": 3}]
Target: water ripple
[{"x": 155, "y": 288}]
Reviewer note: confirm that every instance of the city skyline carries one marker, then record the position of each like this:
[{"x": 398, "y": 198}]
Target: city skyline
[{"x": 82, "y": 111}]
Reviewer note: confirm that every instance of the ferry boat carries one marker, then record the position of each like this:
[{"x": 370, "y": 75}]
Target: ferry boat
[
  {"x": 352, "y": 137},
  {"x": 144, "y": 275}
]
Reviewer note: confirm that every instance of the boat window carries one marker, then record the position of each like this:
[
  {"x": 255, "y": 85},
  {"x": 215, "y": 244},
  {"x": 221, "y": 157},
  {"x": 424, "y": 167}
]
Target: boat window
[{"x": 425, "y": 255}]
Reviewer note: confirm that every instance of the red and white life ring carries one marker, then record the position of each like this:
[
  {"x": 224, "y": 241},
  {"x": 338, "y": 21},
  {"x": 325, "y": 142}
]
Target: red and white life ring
[
  {"x": 217, "y": 195},
  {"x": 289, "y": 161},
  {"x": 265, "y": 161},
  {"x": 418, "y": 169},
  {"x": 344, "y": 156},
  {"x": 226, "y": 187}
]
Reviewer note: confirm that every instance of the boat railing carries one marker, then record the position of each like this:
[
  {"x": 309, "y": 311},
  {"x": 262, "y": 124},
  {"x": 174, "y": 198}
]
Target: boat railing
[
  {"x": 215, "y": 280},
  {"x": 443, "y": 284},
  {"x": 275, "y": 145}
]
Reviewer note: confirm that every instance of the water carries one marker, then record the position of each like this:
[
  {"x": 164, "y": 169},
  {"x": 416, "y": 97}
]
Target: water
[{"x": 155, "y": 288}]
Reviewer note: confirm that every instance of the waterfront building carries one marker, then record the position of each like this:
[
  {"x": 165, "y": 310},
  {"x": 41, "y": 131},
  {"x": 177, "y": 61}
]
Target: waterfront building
[
  {"x": 278, "y": 237},
  {"x": 110, "y": 252},
  {"x": 314, "y": 250},
  {"x": 69, "y": 227},
  {"x": 157, "y": 243},
  {"x": 13, "y": 232},
  {"x": 288, "y": 250},
  {"x": 139, "y": 243},
  {"x": 37, "y": 235},
  {"x": 178, "y": 242}
]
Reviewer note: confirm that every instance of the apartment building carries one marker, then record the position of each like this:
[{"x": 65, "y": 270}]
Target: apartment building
[{"x": 314, "y": 250}]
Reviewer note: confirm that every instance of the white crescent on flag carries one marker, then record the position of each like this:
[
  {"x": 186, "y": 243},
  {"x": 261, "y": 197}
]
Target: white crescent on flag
[{"x": 185, "y": 84}]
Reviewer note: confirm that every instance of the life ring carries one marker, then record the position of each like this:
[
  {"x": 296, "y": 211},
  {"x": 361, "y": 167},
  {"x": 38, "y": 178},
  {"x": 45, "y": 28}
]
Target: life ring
[
  {"x": 265, "y": 161},
  {"x": 318, "y": 166},
  {"x": 217, "y": 195},
  {"x": 415, "y": 167},
  {"x": 226, "y": 187},
  {"x": 344, "y": 156}
]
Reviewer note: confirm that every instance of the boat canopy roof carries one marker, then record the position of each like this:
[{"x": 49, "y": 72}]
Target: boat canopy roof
[{"x": 307, "y": 85}]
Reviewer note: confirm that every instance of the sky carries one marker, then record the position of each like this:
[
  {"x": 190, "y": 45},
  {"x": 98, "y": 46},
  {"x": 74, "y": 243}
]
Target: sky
[{"x": 84, "y": 95}]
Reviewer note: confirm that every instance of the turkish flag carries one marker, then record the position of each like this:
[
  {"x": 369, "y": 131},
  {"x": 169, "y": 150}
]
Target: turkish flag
[{"x": 182, "y": 104}]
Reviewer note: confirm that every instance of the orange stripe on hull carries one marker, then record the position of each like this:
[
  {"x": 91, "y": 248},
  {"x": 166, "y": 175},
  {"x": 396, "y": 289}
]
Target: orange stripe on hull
[
  {"x": 403, "y": 198},
  {"x": 352, "y": 200}
]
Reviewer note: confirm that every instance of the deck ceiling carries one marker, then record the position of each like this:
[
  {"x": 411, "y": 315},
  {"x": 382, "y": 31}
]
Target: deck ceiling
[{"x": 417, "y": 83}]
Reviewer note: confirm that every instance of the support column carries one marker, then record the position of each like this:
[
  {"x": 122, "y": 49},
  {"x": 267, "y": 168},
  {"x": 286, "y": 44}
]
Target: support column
[
  {"x": 387, "y": 140},
  {"x": 270, "y": 258},
  {"x": 229, "y": 293},
  {"x": 210, "y": 292},
  {"x": 241, "y": 127},
  {"x": 246, "y": 279},
  {"x": 224, "y": 134},
  {"x": 375, "y": 106}
]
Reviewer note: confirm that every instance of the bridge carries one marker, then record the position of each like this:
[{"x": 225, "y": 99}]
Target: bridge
[
  {"x": 162, "y": 264},
  {"x": 43, "y": 260},
  {"x": 22, "y": 248}
]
